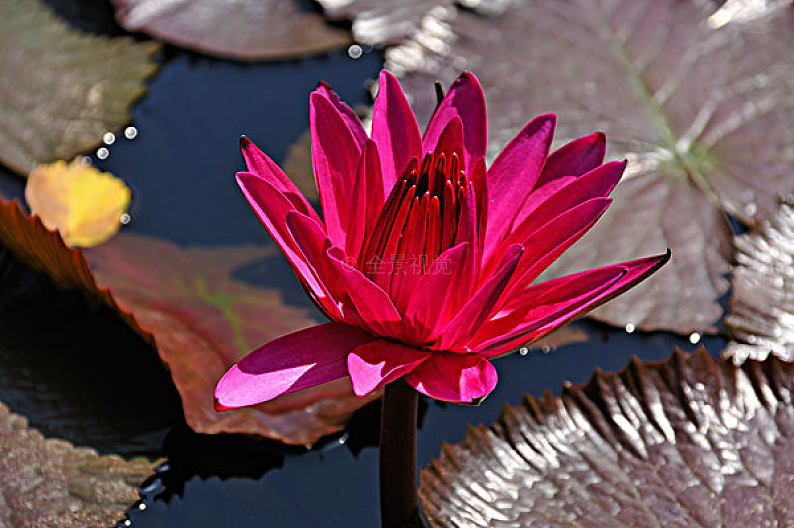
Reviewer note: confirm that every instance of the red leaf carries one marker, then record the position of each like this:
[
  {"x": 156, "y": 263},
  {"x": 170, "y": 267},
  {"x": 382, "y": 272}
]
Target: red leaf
[{"x": 199, "y": 318}]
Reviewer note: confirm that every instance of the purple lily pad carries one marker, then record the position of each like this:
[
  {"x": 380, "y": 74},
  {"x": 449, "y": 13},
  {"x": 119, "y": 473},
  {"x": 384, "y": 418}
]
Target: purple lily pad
[
  {"x": 690, "y": 441},
  {"x": 761, "y": 319},
  {"x": 702, "y": 114},
  {"x": 49, "y": 482},
  {"x": 61, "y": 89},
  {"x": 240, "y": 29}
]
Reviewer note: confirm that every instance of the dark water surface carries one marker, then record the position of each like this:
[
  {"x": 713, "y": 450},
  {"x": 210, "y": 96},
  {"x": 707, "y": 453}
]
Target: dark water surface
[{"x": 77, "y": 372}]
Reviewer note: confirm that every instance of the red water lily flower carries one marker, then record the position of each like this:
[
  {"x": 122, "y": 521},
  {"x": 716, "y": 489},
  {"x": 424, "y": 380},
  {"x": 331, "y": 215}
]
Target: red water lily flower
[{"x": 424, "y": 260}]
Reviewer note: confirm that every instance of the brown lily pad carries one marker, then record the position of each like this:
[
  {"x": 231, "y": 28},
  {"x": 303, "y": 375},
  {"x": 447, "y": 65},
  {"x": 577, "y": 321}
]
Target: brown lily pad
[
  {"x": 702, "y": 114},
  {"x": 242, "y": 29},
  {"x": 200, "y": 319},
  {"x": 61, "y": 89},
  {"x": 685, "y": 442},
  {"x": 761, "y": 319},
  {"x": 379, "y": 22},
  {"x": 49, "y": 482}
]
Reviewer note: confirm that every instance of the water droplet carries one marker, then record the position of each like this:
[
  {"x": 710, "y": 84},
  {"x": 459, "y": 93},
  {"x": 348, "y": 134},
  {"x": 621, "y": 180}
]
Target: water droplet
[
  {"x": 694, "y": 338},
  {"x": 355, "y": 51},
  {"x": 102, "y": 153},
  {"x": 629, "y": 328},
  {"x": 127, "y": 522},
  {"x": 130, "y": 132},
  {"x": 523, "y": 351},
  {"x": 125, "y": 218},
  {"x": 545, "y": 349},
  {"x": 109, "y": 138},
  {"x": 86, "y": 160},
  {"x": 142, "y": 506}
]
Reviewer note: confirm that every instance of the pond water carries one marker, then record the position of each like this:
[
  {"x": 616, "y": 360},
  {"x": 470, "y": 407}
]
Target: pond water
[{"x": 77, "y": 372}]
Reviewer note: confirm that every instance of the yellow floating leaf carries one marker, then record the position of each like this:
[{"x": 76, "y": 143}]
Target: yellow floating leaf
[{"x": 84, "y": 204}]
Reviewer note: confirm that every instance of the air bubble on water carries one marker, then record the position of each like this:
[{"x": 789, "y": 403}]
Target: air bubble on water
[
  {"x": 545, "y": 349},
  {"x": 125, "y": 218},
  {"x": 694, "y": 338},
  {"x": 355, "y": 51},
  {"x": 109, "y": 138},
  {"x": 102, "y": 153},
  {"x": 127, "y": 522},
  {"x": 130, "y": 132},
  {"x": 629, "y": 328},
  {"x": 523, "y": 351},
  {"x": 142, "y": 506}
]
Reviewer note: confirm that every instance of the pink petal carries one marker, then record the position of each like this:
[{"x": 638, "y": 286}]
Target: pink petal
[
  {"x": 430, "y": 306},
  {"x": 265, "y": 168},
  {"x": 459, "y": 378},
  {"x": 513, "y": 174},
  {"x": 335, "y": 156},
  {"x": 394, "y": 129},
  {"x": 466, "y": 99},
  {"x": 545, "y": 302},
  {"x": 575, "y": 158},
  {"x": 347, "y": 113},
  {"x": 537, "y": 324},
  {"x": 371, "y": 303},
  {"x": 478, "y": 308},
  {"x": 375, "y": 364},
  {"x": 564, "y": 165},
  {"x": 468, "y": 233},
  {"x": 597, "y": 183},
  {"x": 293, "y": 362},
  {"x": 546, "y": 244},
  {"x": 272, "y": 208},
  {"x": 451, "y": 140},
  {"x": 369, "y": 186}
]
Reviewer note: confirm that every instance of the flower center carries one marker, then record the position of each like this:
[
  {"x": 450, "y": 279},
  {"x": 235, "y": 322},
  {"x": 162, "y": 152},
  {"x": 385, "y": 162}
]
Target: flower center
[{"x": 418, "y": 221}]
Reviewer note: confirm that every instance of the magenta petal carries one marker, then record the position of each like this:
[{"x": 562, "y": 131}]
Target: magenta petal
[
  {"x": 546, "y": 244},
  {"x": 293, "y": 362},
  {"x": 459, "y": 378},
  {"x": 597, "y": 183},
  {"x": 372, "y": 304},
  {"x": 335, "y": 156},
  {"x": 466, "y": 99},
  {"x": 394, "y": 129},
  {"x": 272, "y": 208},
  {"x": 429, "y": 307},
  {"x": 265, "y": 168},
  {"x": 574, "y": 158},
  {"x": 347, "y": 113},
  {"x": 451, "y": 140},
  {"x": 513, "y": 174},
  {"x": 369, "y": 186},
  {"x": 541, "y": 319},
  {"x": 478, "y": 308},
  {"x": 375, "y": 364}
]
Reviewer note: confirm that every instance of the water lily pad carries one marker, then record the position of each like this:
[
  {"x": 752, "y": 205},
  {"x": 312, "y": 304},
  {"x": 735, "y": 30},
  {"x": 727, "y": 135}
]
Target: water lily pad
[
  {"x": 82, "y": 203},
  {"x": 200, "y": 319},
  {"x": 686, "y": 442},
  {"x": 62, "y": 89},
  {"x": 239, "y": 29},
  {"x": 380, "y": 22},
  {"x": 761, "y": 319},
  {"x": 49, "y": 482},
  {"x": 702, "y": 114}
]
